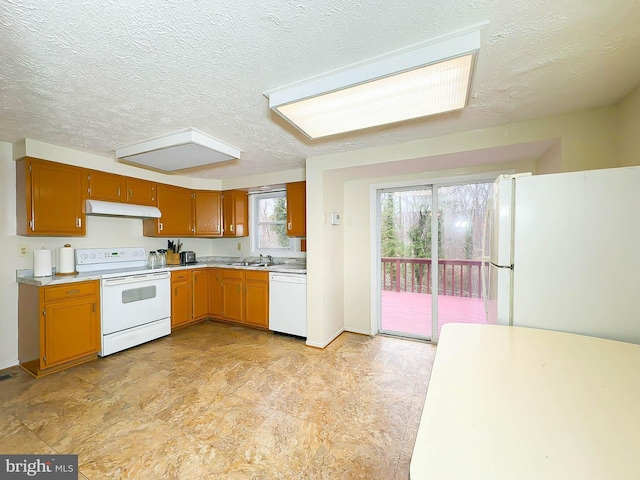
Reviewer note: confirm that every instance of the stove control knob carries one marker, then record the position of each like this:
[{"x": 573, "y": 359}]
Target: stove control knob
[{"x": 84, "y": 256}]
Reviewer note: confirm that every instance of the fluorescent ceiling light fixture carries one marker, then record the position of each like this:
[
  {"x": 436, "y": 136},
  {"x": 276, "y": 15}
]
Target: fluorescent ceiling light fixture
[
  {"x": 425, "y": 79},
  {"x": 186, "y": 148}
]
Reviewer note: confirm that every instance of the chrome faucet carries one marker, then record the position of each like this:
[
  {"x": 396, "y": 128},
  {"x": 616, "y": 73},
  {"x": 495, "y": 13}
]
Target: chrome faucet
[
  {"x": 270, "y": 258},
  {"x": 261, "y": 260}
]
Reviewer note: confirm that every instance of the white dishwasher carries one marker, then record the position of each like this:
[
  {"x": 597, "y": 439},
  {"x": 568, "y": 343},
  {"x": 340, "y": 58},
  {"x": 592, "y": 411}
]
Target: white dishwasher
[{"x": 288, "y": 303}]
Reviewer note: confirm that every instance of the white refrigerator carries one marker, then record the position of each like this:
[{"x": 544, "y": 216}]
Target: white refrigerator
[{"x": 563, "y": 252}]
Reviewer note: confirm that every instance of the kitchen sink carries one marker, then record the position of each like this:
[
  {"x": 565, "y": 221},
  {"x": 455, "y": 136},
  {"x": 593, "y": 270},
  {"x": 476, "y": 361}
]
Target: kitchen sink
[{"x": 250, "y": 264}]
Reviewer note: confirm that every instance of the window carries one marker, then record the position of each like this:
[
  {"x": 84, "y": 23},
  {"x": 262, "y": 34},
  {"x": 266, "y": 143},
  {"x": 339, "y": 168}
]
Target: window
[{"x": 269, "y": 225}]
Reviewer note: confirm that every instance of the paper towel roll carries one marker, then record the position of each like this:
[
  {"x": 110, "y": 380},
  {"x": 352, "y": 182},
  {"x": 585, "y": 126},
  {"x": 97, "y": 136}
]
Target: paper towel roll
[
  {"x": 66, "y": 259},
  {"x": 42, "y": 263}
]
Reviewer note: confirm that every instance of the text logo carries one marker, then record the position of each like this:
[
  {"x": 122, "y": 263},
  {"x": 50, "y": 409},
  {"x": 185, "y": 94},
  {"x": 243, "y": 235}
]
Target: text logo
[{"x": 51, "y": 467}]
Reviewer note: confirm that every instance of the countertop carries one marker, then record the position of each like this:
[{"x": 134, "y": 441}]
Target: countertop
[
  {"x": 26, "y": 276},
  {"x": 519, "y": 403}
]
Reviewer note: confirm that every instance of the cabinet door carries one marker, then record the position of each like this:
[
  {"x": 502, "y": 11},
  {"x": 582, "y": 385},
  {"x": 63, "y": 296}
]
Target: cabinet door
[
  {"x": 71, "y": 331},
  {"x": 141, "y": 192},
  {"x": 176, "y": 208},
  {"x": 235, "y": 204},
  {"x": 200, "y": 294},
  {"x": 104, "y": 186},
  {"x": 232, "y": 299},
  {"x": 257, "y": 301},
  {"x": 215, "y": 293},
  {"x": 208, "y": 213},
  {"x": 50, "y": 199},
  {"x": 181, "y": 304},
  {"x": 296, "y": 209}
]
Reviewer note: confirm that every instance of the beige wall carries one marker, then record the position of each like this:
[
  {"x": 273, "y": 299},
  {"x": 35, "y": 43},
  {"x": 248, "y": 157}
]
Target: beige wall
[
  {"x": 629, "y": 128},
  {"x": 575, "y": 141}
]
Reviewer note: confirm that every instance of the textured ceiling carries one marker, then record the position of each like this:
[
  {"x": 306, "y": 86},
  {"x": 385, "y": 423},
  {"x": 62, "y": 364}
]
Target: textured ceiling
[{"x": 99, "y": 74}]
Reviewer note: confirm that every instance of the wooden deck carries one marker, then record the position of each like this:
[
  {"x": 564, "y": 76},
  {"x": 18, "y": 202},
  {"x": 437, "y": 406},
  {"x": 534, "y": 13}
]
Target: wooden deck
[{"x": 411, "y": 312}]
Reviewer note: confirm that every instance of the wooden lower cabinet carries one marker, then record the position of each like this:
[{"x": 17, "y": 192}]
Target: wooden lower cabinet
[
  {"x": 245, "y": 297},
  {"x": 200, "y": 281},
  {"x": 58, "y": 326},
  {"x": 232, "y": 295},
  {"x": 215, "y": 292},
  {"x": 256, "y": 298},
  {"x": 181, "y": 298}
]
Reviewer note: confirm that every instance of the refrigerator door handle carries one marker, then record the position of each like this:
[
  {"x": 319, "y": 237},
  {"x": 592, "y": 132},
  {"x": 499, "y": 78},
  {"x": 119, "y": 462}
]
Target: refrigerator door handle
[{"x": 485, "y": 259}]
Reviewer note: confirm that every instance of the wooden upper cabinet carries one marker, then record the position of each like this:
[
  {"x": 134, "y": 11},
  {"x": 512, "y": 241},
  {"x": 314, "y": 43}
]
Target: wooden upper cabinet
[
  {"x": 297, "y": 209},
  {"x": 49, "y": 198},
  {"x": 235, "y": 205},
  {"x": 176, "y": 208},
  {"x": 141, "y": 192},
  {"x": 104, "y": 186},
  {"x": 208, "y": 213}
]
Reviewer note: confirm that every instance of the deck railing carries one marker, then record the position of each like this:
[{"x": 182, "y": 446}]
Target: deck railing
[{"x": 459, "y": 278}]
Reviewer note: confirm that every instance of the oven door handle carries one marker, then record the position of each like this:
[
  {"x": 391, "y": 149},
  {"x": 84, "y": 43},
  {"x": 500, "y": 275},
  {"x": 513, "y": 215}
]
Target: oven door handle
[{"x": 134, "y": 278}]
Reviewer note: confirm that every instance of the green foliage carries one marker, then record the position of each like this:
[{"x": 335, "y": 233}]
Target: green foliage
[
  {"x": 389, "y": 241},
  {"x": 420, "y": 234},
  {"x": 280, "y": 214}
]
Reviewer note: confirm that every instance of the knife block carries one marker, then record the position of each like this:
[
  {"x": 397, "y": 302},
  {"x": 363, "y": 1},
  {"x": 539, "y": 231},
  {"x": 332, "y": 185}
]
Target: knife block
[{"x": 173, "y": 258}]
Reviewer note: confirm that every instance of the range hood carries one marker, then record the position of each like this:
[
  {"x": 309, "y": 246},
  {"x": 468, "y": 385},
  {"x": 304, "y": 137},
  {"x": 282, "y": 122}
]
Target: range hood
[{"x": 98, "y": 207}]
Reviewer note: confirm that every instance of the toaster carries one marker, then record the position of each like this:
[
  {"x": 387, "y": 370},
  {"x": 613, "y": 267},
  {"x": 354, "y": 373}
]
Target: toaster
[{"x": 187, "y": 257}]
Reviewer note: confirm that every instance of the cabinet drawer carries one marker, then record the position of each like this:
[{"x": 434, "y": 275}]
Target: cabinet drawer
[
  {"x": 178, "y": 277},
  {"x": 253, "y": 276},
  {"x": 70, "y": 290},
  {"x": 232, "y": 274}
]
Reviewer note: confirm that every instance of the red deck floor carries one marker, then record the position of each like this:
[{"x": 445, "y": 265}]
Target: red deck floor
[{"x": 411, "y": 312}]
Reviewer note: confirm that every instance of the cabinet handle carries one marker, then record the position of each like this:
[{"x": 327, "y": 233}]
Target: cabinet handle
[
  {"x": 130, "y": 193},
  {"x": 93, "y": 307},
  {"x": 231, "y": 228},
  {"x": 289, "y": 226},
  {"x": 79, "y": 222},
  {"x": 118, "y": 191},
  {"x": 71, "y": 292},
  {"x": 159, "y": 226}
]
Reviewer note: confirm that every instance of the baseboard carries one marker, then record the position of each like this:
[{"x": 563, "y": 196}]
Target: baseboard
[
  {"x": 324, "y": 345},
  {"x": 11, "y": 363},
  {"x": 353, "y": 330}
]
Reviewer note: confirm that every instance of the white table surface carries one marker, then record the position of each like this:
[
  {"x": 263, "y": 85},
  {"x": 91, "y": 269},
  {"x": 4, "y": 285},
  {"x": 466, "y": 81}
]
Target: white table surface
[{"x": 520, "y": 403}]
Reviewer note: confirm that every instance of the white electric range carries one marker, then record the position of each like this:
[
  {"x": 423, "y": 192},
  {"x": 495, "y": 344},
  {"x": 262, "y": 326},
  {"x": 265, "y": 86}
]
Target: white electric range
[{"x": 135, "y": 300}]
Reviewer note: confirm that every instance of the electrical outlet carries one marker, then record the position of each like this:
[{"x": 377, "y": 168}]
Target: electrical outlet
[
  {"x": 239, "y": 246},
  {"x": 23, "y": 250}
]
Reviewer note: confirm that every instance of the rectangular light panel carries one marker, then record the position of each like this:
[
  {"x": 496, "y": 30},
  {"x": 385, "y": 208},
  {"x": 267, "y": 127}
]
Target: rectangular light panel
[
  {"x": 179, "y": 150},
  {"x": 419, "y": 81},
  {"x": 429, "y": 90}
]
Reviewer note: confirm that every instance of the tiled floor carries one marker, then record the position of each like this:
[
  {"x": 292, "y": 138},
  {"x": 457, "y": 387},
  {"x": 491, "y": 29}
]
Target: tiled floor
[{"x": 224, "y": 402}]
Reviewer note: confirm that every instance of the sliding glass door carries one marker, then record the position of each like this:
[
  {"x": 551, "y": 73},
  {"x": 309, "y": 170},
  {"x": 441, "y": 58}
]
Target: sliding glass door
[{"x": 430, "y": 236}]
